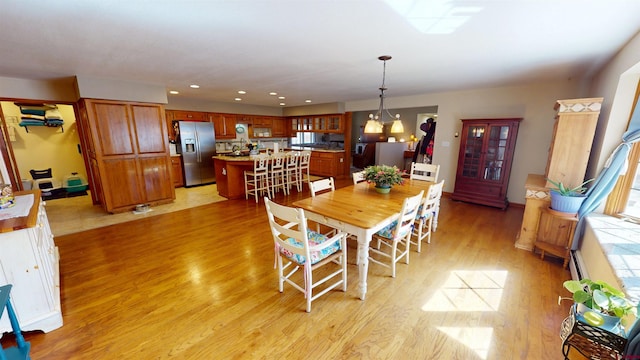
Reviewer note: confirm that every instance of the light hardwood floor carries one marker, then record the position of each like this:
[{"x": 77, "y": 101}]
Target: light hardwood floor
[{"x": 200, "y": 284}]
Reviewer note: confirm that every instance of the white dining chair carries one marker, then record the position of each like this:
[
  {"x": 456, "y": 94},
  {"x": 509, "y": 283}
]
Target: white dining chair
[
  {"x": 427, "y": 211},
  {"x": 321, "y": 186},
  {"x": 393, "y": 243},
  {"x": 297, "y": 248},
  {"x": 358, "y": 176},
  {"x": 291, "y": 171},
  {"x": 427, "y": 172},
  {"x": 303, "y": 167}
]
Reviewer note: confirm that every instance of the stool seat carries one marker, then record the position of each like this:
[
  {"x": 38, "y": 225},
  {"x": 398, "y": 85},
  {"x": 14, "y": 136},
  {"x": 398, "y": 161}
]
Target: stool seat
[{"x": 20, "y": 352}]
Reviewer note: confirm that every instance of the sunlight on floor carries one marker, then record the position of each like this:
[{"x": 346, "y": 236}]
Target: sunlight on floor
[
  {"x": 477, "y": 339},
  {"x": 465, "y": 291}
]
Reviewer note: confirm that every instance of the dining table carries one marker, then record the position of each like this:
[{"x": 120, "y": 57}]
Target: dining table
[{"x": 361, "y": 211}]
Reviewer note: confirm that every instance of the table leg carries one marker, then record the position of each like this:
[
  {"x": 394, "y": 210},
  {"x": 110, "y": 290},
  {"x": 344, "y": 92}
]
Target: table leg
[{"x": 363, "y": 262}]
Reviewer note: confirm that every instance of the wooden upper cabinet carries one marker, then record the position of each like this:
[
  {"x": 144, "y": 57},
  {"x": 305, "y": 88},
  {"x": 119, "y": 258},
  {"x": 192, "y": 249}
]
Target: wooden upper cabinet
[
  {"x": 280, "y": 127},
  {"x": 189, "y": 115},
  {"x": 224, "y": 125},
  {"x": 332, "y": 123},
  {"x": 115, "y": 137},
  {"x": 148, "y": 122}
]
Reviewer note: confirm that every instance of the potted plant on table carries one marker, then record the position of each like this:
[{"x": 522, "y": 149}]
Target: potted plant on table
[
  {"x": 384, "y": 176},
  {"x": 567, "y": 199},
  {"x": 600, "y": 304}
]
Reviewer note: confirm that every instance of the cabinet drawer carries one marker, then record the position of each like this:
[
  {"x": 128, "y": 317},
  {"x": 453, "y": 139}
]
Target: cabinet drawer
[{"x": 189, "y": 115}]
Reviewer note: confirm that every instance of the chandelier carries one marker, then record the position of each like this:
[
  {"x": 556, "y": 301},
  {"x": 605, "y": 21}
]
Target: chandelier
[{"x": 376, "y": 122}]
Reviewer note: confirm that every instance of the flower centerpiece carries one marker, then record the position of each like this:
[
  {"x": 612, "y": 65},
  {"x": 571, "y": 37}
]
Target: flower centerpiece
[{"x": 384, "y": 176}]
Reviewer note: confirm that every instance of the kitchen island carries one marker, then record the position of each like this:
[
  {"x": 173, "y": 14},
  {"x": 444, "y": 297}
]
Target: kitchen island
[{"x": 230, "y": 169}]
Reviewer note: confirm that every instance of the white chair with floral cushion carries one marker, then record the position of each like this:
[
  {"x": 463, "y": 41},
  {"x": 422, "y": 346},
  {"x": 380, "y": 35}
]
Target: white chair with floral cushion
[
  {"x": 396, "y": 237},
  {"x": 358, "y": 177},
  {"x": 427, "y": 172},
  {"x": 426, "y": 214},
  {"x": 301, "y": 248}
]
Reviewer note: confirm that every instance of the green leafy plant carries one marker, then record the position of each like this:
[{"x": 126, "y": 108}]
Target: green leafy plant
[
  {"x": 383, "y": 175},
  {"x": 568, "y": 190},
  {"x": 600, "y": 296}
]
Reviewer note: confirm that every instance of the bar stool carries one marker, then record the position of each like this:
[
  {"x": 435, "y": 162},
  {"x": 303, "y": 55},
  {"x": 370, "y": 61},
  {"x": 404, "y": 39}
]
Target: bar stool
[
  {"x": 256, "y": 181},
  {"x": 21, "y": 351},
  {"x": 303, "y": 167},
  {"x": 291, "y": 171},
  {"x": 277, "y": 176}
]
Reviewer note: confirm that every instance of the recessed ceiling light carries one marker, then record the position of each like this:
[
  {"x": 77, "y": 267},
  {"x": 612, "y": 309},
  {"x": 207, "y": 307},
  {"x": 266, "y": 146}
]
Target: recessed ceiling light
[
  {"x": 174, "y": 92},
  {"x": 194, "y": 86},
  {"x": 308, "y": 101},
  {"x": 281, "y": 97},
  {"x": 241, "y": 92},
  {"x": 273, "y": 93},
  {"x": 282, "y": 104},
  {"x": 237, "y": 99}
]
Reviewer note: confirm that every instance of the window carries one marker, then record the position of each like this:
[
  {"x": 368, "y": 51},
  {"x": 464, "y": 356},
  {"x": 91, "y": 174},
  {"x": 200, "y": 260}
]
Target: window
[
  {"x": 624, "y": 200},
  {"x": 303, "y": 138}
]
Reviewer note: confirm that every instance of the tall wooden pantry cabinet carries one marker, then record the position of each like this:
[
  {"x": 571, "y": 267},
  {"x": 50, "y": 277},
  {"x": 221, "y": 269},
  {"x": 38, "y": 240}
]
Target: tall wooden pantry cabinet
[
  {"x": 484, "y": 161},
  {"x": 128, "y": 153}
]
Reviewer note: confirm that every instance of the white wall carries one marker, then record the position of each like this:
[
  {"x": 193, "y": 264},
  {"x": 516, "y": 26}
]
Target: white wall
[{"x": 534, "y": 103}]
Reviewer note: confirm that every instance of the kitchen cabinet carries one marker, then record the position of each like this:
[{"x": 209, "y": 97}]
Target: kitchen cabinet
[
  {"x": 224, "y": 125},
  {"x": 29, "y": 261},
  {"x": 176, "y": 171},
  {"x": 279, "y": 128},
  {"x": 332, "y": 123},
  {"x": 181, "y": 115},
  {"x": 128, "y": 153},
  {"x": 325, "y": 163},
  {"x": 484, "y": 161}
]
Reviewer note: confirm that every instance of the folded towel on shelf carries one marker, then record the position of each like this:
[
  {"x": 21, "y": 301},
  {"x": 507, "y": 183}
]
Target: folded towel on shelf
[
  {"x": 30, "y": 122},
  {"x": 32, "y": 117},
  {"x": 32, "y": 111},
  {"x": 53, "y": 114}
]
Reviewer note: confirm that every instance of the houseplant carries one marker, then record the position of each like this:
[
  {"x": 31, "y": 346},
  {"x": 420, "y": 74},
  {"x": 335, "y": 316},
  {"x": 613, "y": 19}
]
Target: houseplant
[
  {"x": 567, "y": 198},
  {"x": 384, "y": 176},
  {"x": 599, "y": 304}
]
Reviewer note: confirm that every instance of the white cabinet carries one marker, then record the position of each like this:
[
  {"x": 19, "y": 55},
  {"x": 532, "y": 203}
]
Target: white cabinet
[{"x": 29, "y": 261}]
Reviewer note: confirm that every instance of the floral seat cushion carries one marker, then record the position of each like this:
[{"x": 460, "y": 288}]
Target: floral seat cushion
[
  {"x": 315, "y": 239},
  {"x": 389, "y": 231},
  {"x": 419, "y": 215}
]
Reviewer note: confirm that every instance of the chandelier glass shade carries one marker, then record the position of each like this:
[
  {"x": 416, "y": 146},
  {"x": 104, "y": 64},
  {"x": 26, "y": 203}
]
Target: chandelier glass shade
[{"x": 376, "y": 122}]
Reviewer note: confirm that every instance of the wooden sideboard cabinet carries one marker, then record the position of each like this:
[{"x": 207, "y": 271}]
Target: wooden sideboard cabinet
[
  {"x": 29, "y": 261},
  {"x": 484, "y": 161}
]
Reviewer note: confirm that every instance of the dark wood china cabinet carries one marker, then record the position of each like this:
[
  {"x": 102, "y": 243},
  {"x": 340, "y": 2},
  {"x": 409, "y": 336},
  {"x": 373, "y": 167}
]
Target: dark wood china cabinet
[{"x": 484, "y": 161}]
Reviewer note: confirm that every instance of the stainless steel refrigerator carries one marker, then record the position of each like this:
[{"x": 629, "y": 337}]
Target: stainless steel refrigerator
[{"x": 197, "y": 146}]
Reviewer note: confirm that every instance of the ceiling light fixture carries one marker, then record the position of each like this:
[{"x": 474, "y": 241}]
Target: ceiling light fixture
[
  {"x": 174, "y": 92},
  {"x": 308, "y": 101},
  {"x": 273, "y": 93},
  {"x": 241, "y": 92},
  {"x": 376, "y": 122},
  {"x": 194, "y": 86}
]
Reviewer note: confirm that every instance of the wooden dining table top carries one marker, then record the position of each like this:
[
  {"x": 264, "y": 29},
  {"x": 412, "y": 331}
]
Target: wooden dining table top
[{"x": 361, "y": 205}]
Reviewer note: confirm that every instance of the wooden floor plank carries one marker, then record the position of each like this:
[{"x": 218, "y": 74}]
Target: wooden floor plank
[{"x": 200, "y": 284}]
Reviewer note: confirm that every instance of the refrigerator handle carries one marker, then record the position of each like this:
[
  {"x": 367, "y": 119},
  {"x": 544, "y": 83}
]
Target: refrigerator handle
[{"x": 198, "y": 157}]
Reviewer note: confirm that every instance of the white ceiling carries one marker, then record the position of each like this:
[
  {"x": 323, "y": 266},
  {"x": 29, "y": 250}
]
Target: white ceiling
[{"x": 323, "y": 50}]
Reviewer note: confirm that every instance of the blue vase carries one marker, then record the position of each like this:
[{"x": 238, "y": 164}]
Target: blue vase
[{"x": 383, "y": 188}]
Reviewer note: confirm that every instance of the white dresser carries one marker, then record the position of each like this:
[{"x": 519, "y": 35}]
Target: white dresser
[{"x": 29, "y": 261}]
